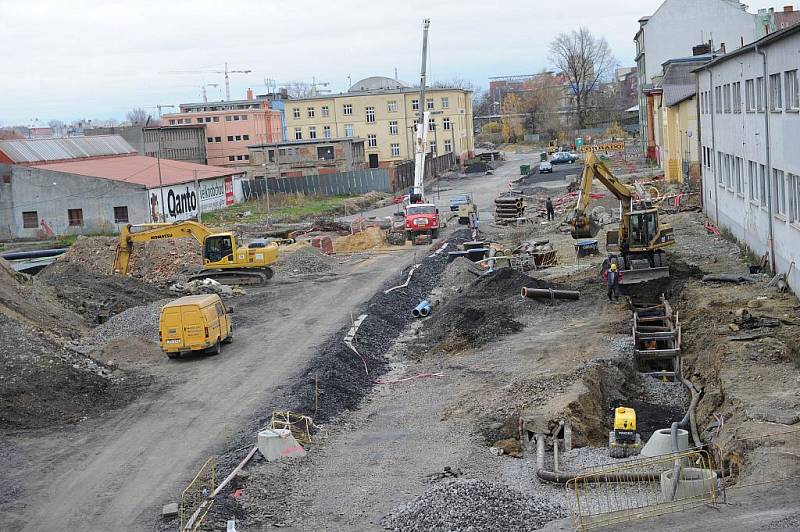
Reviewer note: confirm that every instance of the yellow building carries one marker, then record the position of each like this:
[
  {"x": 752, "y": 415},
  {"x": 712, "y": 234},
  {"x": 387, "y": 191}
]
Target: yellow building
[
  {"x": 678, "y": 139},
  {"x": 382, "y": 111}
]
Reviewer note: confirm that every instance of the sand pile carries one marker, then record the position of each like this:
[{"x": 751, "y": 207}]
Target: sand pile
[{"x": 370, "y": 238}]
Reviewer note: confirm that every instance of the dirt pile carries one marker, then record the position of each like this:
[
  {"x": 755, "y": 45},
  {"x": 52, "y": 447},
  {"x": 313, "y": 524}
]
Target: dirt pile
[
  {"x": 305, "y": 260},
  {"x": 158, "y": 261},
  {"x": 370, "y": 238},
  {"x": 473, "y": 505},
  {"x": 128, "y": 350},
  {"x": 97, "y": 296},
  {"x": 43, "y": 384},
  {"x": 483, "y": 311},
  {"x": 28, "y": 300}
]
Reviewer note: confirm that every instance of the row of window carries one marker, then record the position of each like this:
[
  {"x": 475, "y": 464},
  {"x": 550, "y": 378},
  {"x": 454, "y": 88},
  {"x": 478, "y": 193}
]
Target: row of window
[
  {"x": 394, "y": 129},
  {"x": 206, "y": 119},
  {"x": 238, "y": 158},
  {"x": 30, "y": 219},
  {"x": 784, "y": 95},
  {"x": 735, "y": 174},
  {"x": 231, "y": 138},
  {"x": 369, "y": 112}
]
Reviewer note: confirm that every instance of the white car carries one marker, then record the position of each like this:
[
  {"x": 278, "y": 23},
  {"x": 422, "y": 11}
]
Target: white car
[{"x": 545, "y": 167}]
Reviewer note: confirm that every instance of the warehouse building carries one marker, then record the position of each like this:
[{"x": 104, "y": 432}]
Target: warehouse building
[
  {"x": 749, "y": 103},
  {"x": 307, "y": 157}
]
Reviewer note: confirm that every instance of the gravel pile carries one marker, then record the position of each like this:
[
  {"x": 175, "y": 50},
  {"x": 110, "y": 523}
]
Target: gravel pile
[
  {"x": 304, "y": 261},
  {"x": 473, "y": 505},
  {"x": 136, "y": 321},
  {"x": 668, "y": 394}
]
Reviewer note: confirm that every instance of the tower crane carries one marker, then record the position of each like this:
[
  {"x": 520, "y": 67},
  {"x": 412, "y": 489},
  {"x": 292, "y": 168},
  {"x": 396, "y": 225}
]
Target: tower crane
[
  {"x": 203, "y": 87},
  {"x": 226, "y": 72},
  {"x": 159, "y": 107}
]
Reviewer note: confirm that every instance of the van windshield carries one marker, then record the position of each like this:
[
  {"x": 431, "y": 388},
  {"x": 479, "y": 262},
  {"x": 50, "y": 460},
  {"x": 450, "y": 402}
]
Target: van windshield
[{"x": 420, "y": 209}]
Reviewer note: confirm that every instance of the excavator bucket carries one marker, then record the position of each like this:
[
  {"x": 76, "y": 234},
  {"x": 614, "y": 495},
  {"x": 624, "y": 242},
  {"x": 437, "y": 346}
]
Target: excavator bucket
[
  {"x": 643, "y": 275},
  {"x": 585, "y": 227}
]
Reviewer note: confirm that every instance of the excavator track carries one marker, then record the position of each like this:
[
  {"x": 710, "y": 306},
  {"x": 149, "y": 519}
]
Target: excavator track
[{"x": 237, "y": 276}]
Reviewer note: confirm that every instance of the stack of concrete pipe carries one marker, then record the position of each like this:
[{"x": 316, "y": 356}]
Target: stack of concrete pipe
[{"x": 508, "y": 209}]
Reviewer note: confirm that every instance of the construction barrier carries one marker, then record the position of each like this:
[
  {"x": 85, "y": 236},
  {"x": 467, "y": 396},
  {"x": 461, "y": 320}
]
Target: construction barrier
[
  {"x": 616, "y": 146},
  {"x": 597, "y": 499},
  {"x": 196, "y": 497}
]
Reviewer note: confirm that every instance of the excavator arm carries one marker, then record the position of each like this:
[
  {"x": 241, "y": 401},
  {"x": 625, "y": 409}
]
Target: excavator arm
[
  {"x": 582, "y": 224},
  {"x": 145, "y": 232}
]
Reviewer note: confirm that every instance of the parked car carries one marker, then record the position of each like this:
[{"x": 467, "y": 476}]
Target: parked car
[
  {"x": 459, "y": 199},
  {"x": 545, "y": 167},
  {"x": 564, "y": 157}
]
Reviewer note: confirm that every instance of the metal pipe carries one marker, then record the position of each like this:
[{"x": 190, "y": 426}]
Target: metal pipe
[
  {"x": 549, "y": 293},
  {"x": 33, "y": 254},
  {"x": 763, "y": 54}
]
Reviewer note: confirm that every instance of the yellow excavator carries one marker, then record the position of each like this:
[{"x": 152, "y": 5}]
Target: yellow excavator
[
  {"x": 637, "y": 247},
  {"x": 224, "y": 258}
]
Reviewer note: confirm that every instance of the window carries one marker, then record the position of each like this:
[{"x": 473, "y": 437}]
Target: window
[
  {"x": 372, "y": 141},
  {"x": 762, "y": 176},
  {"x": 750, "y": 96},
  {"x": 415, "y": 105},
  {"x": 298, "y": 133},
  {"x": 431, "y": 124},
  {"x": 348, "y": 130},
  {"x": 236, "y": 118},
  {"x": 395, "y": 150},
  {"x": 393, "y": 129},
  {"x": 217, "y": 139},
  {"x": 231, "y": 158},
  {"x": 729, "y": 171},
  {"x": 121, "y": 215},
  {"x": 230, "y": 138},
  {"x": 215, "y": 119},
  {"x": 448, "y": 146},
  {"x": 246, "y": 157},
  {"x": 348, "y": 109},
  {"x": 208, "y": 119},
  {"x": 737, "y": 97},
  {"x": 752, "y": 180},
  {"x": 239, "y": 157},
  {"x": 30, "y": 220},
  {"x": 776, "y": 93},
  {"x": 244, "y": 117},
  {"x": 312, "y": 132},
  {"x": 792, "y": 92},
  {"x": 245, "y": 137},
  {"x": 171, "y": 122},
  {"x": 310, "y": 111},
  {"x": 445, "y": 102},
  {"x": 794, "y": 198},
  {"x": 326, "y": 132},
  {"x": 210, "y": 139},
  {"x": 760, "y": 94},
  {"x": 720, "y": 169},
  {"x": 325, "y": 153},
  {"x": 296, "y": 112},
  {"x": 433, "y": 147},
  {"x": 323, "y": 111},
  {"x": 392, "y": 106},
  {"x": 739, "y": 176},
  {"x": 726, "y": 92},
  {"x": 200, "y": 120},
  {"x": 370, "y": 114},
  {"x": 718, "y": 99},
  {"x": 779, "y": 191},
  {"x": 238, "y": 137},
  {"x": 75, "y": 217},
  {"x": 446, "y": 124},
  {"x": 228, "y": 118},
  {"x": 429, "y": 103}
]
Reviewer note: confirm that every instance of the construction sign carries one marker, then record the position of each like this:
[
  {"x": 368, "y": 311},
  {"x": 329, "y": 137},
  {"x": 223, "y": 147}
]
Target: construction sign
[{"x": 617, "y": 146}]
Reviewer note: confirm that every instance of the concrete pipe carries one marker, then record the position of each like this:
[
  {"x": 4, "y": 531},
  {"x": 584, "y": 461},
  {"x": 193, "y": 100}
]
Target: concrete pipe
[{"x": 549, "y": 293}]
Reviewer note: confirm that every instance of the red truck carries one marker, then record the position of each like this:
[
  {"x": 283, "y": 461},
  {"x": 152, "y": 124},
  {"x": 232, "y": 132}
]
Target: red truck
[{"x": 422, "y": 222}]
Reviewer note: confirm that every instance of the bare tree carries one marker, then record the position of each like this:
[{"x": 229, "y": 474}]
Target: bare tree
[
  {"x": 455, "y": 83},
  {"x": 298, "y": 89},
  {"x": 137, "y": 115},
  {"x": 585, "y": 60}
]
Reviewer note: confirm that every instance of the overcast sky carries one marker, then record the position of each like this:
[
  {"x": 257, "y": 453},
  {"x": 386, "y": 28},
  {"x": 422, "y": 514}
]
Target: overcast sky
[{"x": 71, "y": 59}]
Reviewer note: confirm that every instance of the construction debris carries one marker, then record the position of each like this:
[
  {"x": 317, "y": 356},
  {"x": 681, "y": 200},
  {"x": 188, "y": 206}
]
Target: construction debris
[
  {"x": 304, "y": 261},
  {"x": 206, "y": 286}
]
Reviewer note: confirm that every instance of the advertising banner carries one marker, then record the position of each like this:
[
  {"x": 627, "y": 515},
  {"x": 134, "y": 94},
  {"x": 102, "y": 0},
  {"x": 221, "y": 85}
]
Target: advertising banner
[{"x": 183, "y": 202}]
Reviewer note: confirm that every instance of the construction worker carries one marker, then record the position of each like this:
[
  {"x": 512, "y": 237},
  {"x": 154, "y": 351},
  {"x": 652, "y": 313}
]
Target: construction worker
[
  {"x": 551, "y": 212},
  {"x": 613, "y": 277}
]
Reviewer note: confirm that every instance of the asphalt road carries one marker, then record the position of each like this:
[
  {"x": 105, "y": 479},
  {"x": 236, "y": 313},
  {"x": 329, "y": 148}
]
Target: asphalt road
[{"x": 115, "y": 472}]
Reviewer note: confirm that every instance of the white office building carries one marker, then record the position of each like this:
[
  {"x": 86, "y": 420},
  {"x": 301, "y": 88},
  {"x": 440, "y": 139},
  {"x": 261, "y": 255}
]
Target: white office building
[{"x": 749, "y": 105}]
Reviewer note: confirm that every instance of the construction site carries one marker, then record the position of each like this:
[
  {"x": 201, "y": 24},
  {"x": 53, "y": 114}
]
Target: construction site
[{"x": 489, "y": 378}]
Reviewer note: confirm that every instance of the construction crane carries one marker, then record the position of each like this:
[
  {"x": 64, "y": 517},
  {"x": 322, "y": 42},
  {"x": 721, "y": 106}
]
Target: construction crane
[
  {"x": 203, "y": 87},
  {"x": 159, "y": 107},
  {"x": 637, "y": 247},
  {"x": 226, "y": 72}
]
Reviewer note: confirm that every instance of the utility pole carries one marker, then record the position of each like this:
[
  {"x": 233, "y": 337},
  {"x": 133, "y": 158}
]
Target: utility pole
[
  {"x": 266, "y": 177},
  {"x": 160, "y": 182}
]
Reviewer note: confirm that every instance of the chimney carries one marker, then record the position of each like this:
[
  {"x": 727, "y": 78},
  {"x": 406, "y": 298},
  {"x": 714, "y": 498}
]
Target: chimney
[
  {"x": 250, "y": 94},
  {"x": 788, "y": 9},
  {"x": 701, "y": 49},
  {"x": 722, "y": 47}
]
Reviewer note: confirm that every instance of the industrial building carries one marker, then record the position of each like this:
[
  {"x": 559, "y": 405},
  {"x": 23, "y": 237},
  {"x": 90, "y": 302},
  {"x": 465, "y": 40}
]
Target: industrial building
[
  {"x": 383, "y": 111},
  {"x": 230, "y": 127},
  {"x": 91, "y": 185},
  {"x": 750, "y": 123},
  {"x": 307, "y": 157},
  {"x": 179, "y": 143}
]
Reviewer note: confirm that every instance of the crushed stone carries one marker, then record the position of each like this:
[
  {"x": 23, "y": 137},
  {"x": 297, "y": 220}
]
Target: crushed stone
[
  {"x": 137, "y": 321},
  {"x": 304, "y": 261}
]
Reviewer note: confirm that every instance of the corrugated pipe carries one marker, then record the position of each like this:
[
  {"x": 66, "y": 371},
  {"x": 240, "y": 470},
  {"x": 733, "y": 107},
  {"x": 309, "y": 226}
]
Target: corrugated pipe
[{"x": 422, "y": 310}]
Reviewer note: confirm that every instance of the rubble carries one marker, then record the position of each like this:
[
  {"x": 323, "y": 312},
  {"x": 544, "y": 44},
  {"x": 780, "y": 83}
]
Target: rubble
[
  {"x": 136, "y": 321},
  {"x": 473, "y": 505},
  {"x": 304, "y": 261},
  {"x": 205, "y": 286}
]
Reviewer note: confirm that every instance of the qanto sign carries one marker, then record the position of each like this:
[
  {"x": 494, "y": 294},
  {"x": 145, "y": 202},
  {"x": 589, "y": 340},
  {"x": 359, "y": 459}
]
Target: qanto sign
[{"x": 181, "y": 202}]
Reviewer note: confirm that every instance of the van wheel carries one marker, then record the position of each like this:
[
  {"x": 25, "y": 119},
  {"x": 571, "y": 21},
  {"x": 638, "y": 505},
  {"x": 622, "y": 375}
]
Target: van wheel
[
  {"x": 174, "y": 355},
  {"x": 229, "y": 339},
  {"x": 216, "y": 349}
]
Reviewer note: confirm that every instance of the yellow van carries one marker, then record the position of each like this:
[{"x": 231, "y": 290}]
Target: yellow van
[{"x": 194, "y": 323}]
